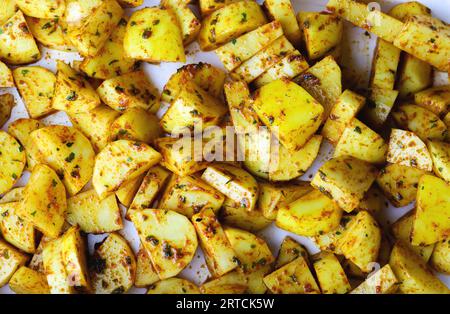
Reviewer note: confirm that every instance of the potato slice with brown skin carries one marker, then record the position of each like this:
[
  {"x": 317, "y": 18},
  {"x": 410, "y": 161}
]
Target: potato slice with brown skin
[
  {"x": 7, "y": 103},
  {"x": 12, "y": 161}
]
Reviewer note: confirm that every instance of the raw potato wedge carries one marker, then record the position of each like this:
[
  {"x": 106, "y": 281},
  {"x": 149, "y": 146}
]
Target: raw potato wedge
[
  {"x": 12, "y": 161},
  {"x": 151, "y": 185},
  {"x": 289, "y": 251},
  {"x": 136, "y": 124},
  {"x": 46, "y": 211},
  {"x": 7, "y": 103},
  {"x": 440, "y": 154},
  {"x": 234, "y": 182},
  {"x": 50, "y": 33},
  {"x": 360, "y": 242},
  {"x": 219, "y": 254},
  {"x": 424, "y": 123},
  {"x": 17, "y": 43},
  {"x": 36, "y": 86},
  {"x": 113, "y": 266},
  {"x": 435, "y": 99},
  {"x": 346, "y": 180},
  {"x": 153, "y": 35},
  {"x": 293, "y": 278},
  {"x": 6, "y": 78},
  {"x": 188, "y": 22},
  {"x": 330, "y": 275},
  {"x": 240, "y": 49},
  {"x": 91, "y": 33},
  {"x": 204, "y": 75},
  {"x": 289, "y": 111},
  {"x": 110, "y": 61},
  {"x": 145, "y": 273},
  {"x": 119, "y": 162},
  {"x": 15, "y": 230},
  {"x": 92, "y": 214},
  {"x": 407, "y": 149},
  {"x": 8, "y": 9},
  {"x": 169, "y": 237},
  {"x": 188, "y": 195},
  {"x": 131, "y": 90},
  {"x": 346, "y": 108},
  {"x": 44, "y": 9},
  {"x": 384, "y": 65},
  {"x": 233, "y": 214},
  {"x": 413, "y": 274},
  {"x": 127, "y": 190},
  {"x": 381, "y": 282},
  {"x": 67, "y": 151},
  {"x": 431, "y": 221},
  {"x": 282, "y": 10},
  {"x": 11, "y": 259},
  {"x": 173, "y": 286},
  {"x": 55, "y": 268},
  {"x": 73, "y": 93},
  {"x": 399, "y": 183},
  {"x": 28, "y": 281},
  {"x": 361, "y": 142},
  {"x": 379, "y": 106},
  {"x": 95, "y": 125},
  {"x": 230, "y": 22},
  {"x": 321, "y": 31},
  {"x": 234, "y": 282},
  {"x": 440, "y": 259},
  {"x": 21, "y": 129},
  {"x": 310, "y": 215}
]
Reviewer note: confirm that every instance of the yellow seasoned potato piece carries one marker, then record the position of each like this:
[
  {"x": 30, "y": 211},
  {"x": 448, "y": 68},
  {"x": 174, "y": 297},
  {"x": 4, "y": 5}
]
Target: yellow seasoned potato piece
[
  {"x": 15, "y": 230},
  {"x": 381, "y": 282},
  {"x": 401, "y": 230},
  {"x": 127, "y": 190},
  {"x": 6, "y": 78},
  {"x": 293, "y": 278},
  {"x": 8, "y": 9},
  {"x": 440, "y": 154},
  {"x": 361, "y": 142},
  {"x": 323, "y": 82},
  {"x": 7, "y": 103},
  {"x": 234, "y": 182},
  {"x": 91, "y": 33},
  {"x": 113, "y": 266},
  {"x": 131, "y": 90},
  {"x": 54, "y": 268},
  {"x": 21, "y": 129},
  {"x": 14, "y": 195},
  {"x": 431, "y": 221},
  {"x": 204, "y": 75},
  {"x": 282, "y": 10},
  {"x": 209, "y": 6},
  {"x": 403, "y": 10},
  {"x": 379, "y": 106},
  {"x": 44, "y": 9},
  {"x": 399, "y": 183},
  {"x": 233, "y": 214},
  {"x": 407, "y": 149},
  {"x": 130, "y": 3},
  {"x": 310, "y": 215},
  {"x": 440, "y": 259},
  {"x": 188, "y": 195},
  {"x": 36, "y": 86},
  {"x": 361, "y": 241},
  {"x": 145, "y": 273},
  {"x": 290, "y": 111},
  {"x": 373, "y": 201},
  {"x": 234, "y": 282},
  {"x": 345, "y": 179},
  {"x": 73, "y": 93},
  {"x": 424, "y": 123},
  {"x": 346, "y": 108},
  {"x": 44, "y": 201},
  {"x": 322, "y": 32},
  {"x": 17, "y": 45},
  {"x": 169, "y": 237},
  {"x": 95, "y": 125},
  {"x": 192, "y": 108},
  {"x": 384, "y": 65},
  {"x": 119, "y": 162},
  {"x": 413, "y": 274},
  {"x": 11, "y": 259},
  {"x": 330, "y": 275},
  {"x": 230, "y": 22},
  {"x": 240, "y": 49},
  {"x": 414, "y": 75},
  {"x": 28, "y": 281},
  {"x": 329, "y": 241},
  {"x": 188, "y": 22},
  {"x": 36, "y": 262},
  {"x": 289, "y": 251},
  {"x": 12, "y": 161},
  {"x": 93, "y": 215},
  {"x": 49, "y": 33},
  {"x": 67, "y": 151},
  {"x": 151, "y": 185},
  {"x": 136, "y": 124},
  {"x": 110, "y": 61},
  {"x": 154, "y": 35},
  {"x": 435, "y": 99},
  {"x": 173, "y": 286},
  {"x": 219, "y": 254},
  {"x": 360, "y": 14},
  {"x": 426, "y": 38}
]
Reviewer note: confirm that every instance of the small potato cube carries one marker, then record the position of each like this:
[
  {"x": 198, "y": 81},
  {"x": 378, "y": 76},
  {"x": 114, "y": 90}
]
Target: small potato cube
[
  {"x": 380, "y": 103},
  {"x": 173, "y": 286},
  {"x": 329, "y": 241},
  {"x": 381, "y": 282},
  {"x": 16, "y": 230},
  {"x": 153, "y": 35},
  {"x": 136, "y": 124},
  {"x": 7, "y": 103},
  {"x": 384, "y": 65},
  {"x": 28, "y": 281},
  {"x": 440, "y": 154},
  {"x": 11, "y": 259},
  {"x": 414, "y": 75},
  {"x": 234, "y": 282},
  {"x": 145, "y": 273},
  {"x": 6, "y": 78},
  {"x": 435, "y": 99},
  {"x": 440, "y": 259},
  {"x": 330, "y": 275},
  {"x": 282, "y": 10},
  {"x": 345, "y": 179},
  {"x": 289, "y": 251}
]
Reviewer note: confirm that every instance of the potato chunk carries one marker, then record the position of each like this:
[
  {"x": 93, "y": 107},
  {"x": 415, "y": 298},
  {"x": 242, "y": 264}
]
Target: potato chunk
[
  {"x": 232, "y": 283},
  {"x": 173, "y": 286},
  {"x": 15, "y": 230},
  {"x": 7, "y": 103},
  {"x": 282, "y": 10},
  {"x": 189, "y": 23},
  {"x": 55, "y": 268},
  {"x": 50, "y": 33},
  {"x": 21, "y": 129},
  {"x": 28, "y": 281},
  {"x": 289, "y": 251},
  {"x": 330, "y": 275},
  {"x": 6, "y": 78},
  {"x": 440, "y": 154},
  {"x": 136, "y": 124},
  {"x": 12, "y": 161},
  {"x": 440, "y": 259},
  {"x": 381, "y": 282},
  {"x": 44, "y": 9},
  {"x": 145, "y": 273},
  {"x": 435, "y": 99},
  {"x": 380, "y": 103},
  {"x": 151, "y": 185},
  {"x": 11, "y": 259},
  {"x": 384, "y": 65}
]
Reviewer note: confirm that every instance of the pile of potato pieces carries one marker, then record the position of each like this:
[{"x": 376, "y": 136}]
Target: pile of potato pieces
[{"x": 177, "y": 203}]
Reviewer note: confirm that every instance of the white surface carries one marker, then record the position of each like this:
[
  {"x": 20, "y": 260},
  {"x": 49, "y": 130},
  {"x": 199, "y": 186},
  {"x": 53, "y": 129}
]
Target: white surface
[{"x": 358, "y": 49}]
